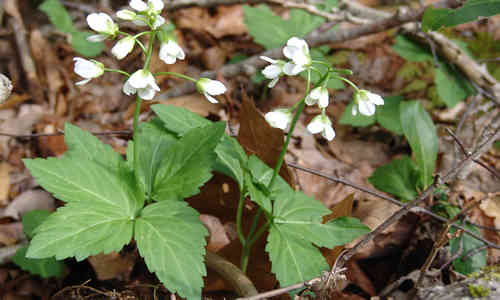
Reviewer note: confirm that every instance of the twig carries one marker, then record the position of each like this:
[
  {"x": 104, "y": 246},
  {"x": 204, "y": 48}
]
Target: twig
[
  {"x": 232, "y": 274},
  {"x": 311, "y": 9},
  {"x": 473, "y": 252},
  {"x": 61, "y": 132}
]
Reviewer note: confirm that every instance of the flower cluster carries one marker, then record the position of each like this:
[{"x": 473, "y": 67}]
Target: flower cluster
[
  {"x": 297, "y": 51},
  {"x": 142, "y": 82}
]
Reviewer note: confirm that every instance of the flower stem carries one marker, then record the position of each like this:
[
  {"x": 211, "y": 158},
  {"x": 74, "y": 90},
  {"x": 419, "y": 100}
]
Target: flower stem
[
  {"x": 239, "y": 214},
  {"x": 137, "y": 111},
  {"x": 150, "y": 50},
  {"x": 289, "y": 135},
  {"x": 117, "y": 71},
  {"x": 176, "y": 75},
  {"x": 346, "y": 80}
]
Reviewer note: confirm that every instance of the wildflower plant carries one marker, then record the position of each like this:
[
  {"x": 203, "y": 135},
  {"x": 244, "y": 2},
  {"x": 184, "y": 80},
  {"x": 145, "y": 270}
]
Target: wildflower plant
[{"x": 111, "y": 200}]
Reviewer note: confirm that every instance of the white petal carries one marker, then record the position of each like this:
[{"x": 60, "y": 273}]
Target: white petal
[
  {"x": 215, "y": 87},
  {"x": 328, "y": 133},
  {"x": 99, "y": 21},
  {"x": 315, "y": 126},
  {"x": 86, "y": 68},
  {"x": 366, "y": 108},
  {"x": 375, "y": 99},
  {"x": 126, "y": 14},
  {"x": 156, "y": 4},
  {"x": 152, "y": 82},
  {"x": 96, "y": 38},
  {"x": 268, "y": 59},
  {"x": 147, "y": 93},
  {"x": 277, "y": 119},
  {"x": 138, "y": 5},
  {"x": 290, "y": 51},
  {"x": 354, "y": 109},
  {"x": 158, "y": 22},
  {"x": 323, "y": 99},
  {"x": 292, "y": 69},
  {"x": 210, "y": 98},
  {"x": 273, "y": 82},
  {"x": 82, "y": 82},
  {"x": 139, "y": 22},
  {"x": 123, "y": 47},
  {"x": 315, "y": 93},
  {"x": 310, "y": 100},
  {"x": 271, "y": 71},
  {"x": 297, "y": 42},
  {"x": 128, "y": 89},
  {"x": 139, "y": 79}
]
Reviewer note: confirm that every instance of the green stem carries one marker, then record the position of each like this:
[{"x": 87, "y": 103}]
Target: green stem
[
  {"x": 137, "y": 111},
  {"x": 176, "y": 75},
  {"x": 289, "y": 135},
  {"x": 244, "y": 259},
  {"x": 258, "y": 234},
  {"x": 239, "y": 214},
  {"x": 150, "y": 50},
  {"x": 255, "y": 222},
  {"x": 117, "y": 71},
  {"x": 346, "y": 80}
]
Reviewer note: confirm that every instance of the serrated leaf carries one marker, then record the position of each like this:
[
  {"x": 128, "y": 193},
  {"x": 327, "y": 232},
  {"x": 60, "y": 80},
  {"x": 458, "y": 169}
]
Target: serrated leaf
[
  {"x": 473, "y": 263},
  {"x": 421, "y": 134},
  {"x": 303, "y": 215},
  {"x": 293, "y": 259},
  {"x": 80, "y": 44},
  {"x": 435, "y": 18},
  {"x": 409, "y": 50},
  {"x": 262, "y": 175},
  {"x": 260, "y": 20},
  {"x": 82, "y": 144},
  {"x": 188, "y": 163},
  {"x": 178, "y": 119},
  {"x": 451, "y": 86},
  {"x": 257, "y": 195},
  {"x": 58, "y": 15},
  {"x": 387, "y": 115},
  {"x": 399, "y": 178},
  {"x": 153, "y": 142},
  {"x": 231, "y": 159},
  {"x": 45, "y": 267},
  {"x": 358, "y": 120},
  {"x": 98, "y": 216},
  {"x": 32, "y": 220},
  {"x": 171, "y": 238}
]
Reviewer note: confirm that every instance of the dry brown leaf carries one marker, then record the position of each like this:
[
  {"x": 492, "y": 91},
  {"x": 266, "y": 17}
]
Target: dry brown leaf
[
  {"x": 22, "y": 124},
  {"x": 113, "y": 265},
  {"x": 258, "y": 138},
  {"x": 218, "y": 238},
  {"x": 11, "y": 233},
  {"x": 28, "y": 201},
  {"x": 5, "y": 168}
]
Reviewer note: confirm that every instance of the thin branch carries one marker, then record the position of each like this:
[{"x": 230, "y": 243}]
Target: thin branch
[{"x": 61, "y": 132}]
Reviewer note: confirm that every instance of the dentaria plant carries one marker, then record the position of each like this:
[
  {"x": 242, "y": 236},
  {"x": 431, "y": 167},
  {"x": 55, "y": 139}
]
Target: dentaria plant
[{"x": 111, "y": 200}]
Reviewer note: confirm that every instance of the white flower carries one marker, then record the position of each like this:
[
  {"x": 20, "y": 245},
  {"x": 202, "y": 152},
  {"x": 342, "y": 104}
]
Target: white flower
[
  {"x": 143, "y": 83},
  {"x": 298, "y": 51},
  {"x": 279, "y": 118},
  {"x": 321, "y": 124},
  {"x": 365, "y": 102},
  {"x": 153, "y": 6},
  {"x": 138, "y": 5},
  {"x": 273, "y": 71},
  {"x": 123, "y": 47},
  {"x": 209, "y": 88},
  {"x": 159, "y": 20},
  {"x": 103, "y": 24},
  {"x": 87, "y": 69},
  {"x": 170, "y": 52},
  {"x": 318, "y": 95},
  {"x": 126, "y": 15}
]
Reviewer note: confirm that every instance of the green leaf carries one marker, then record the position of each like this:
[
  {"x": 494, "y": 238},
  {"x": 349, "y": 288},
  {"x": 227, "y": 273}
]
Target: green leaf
[
  {"x": 58, "y": 15},
  {"x": 262, "y": 175},
  {"x": 230, "y": 159},
  {"x": 260, "y": 21},
  {"x": 257, "y": 195},
  {"x": 451, "y": 86},
  {"x": 387, "y": 115},
  {"x": 435, "y": 18},
  {"x": 421, "y": 134},
  {"x": 473, "y": 263},
  {"x": 45, "y": 267},
  {"x": 293, "y": 259},
  {"x": 399, "y": 178},
  {"x": 319, "y": 54},
  {"x": 359, "y": 120},
  {"x": 188, "y": 163},
  {"x": 303, "y": 215},
  {"x": 153, "y": 142},
  {"x": 178, "y": 119},
  {"x": 171, "y": 238},
  {"x": 99, "y": 213},
  {"x": 409, "y": 50},
  {"x": 32, "y": 220},
  {"x": 82, "y": 46},
  {"x": 82, "y": 144}
]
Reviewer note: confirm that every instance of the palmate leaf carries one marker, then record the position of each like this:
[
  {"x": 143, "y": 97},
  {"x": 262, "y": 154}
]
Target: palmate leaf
[
  {"x": 297, "y": 225},
  {"x": 171, "y": 238},
  {"x": 82, "y": 144},
  {"x": 100, "y": 208},
  {"x": 188, "y": 163}
]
